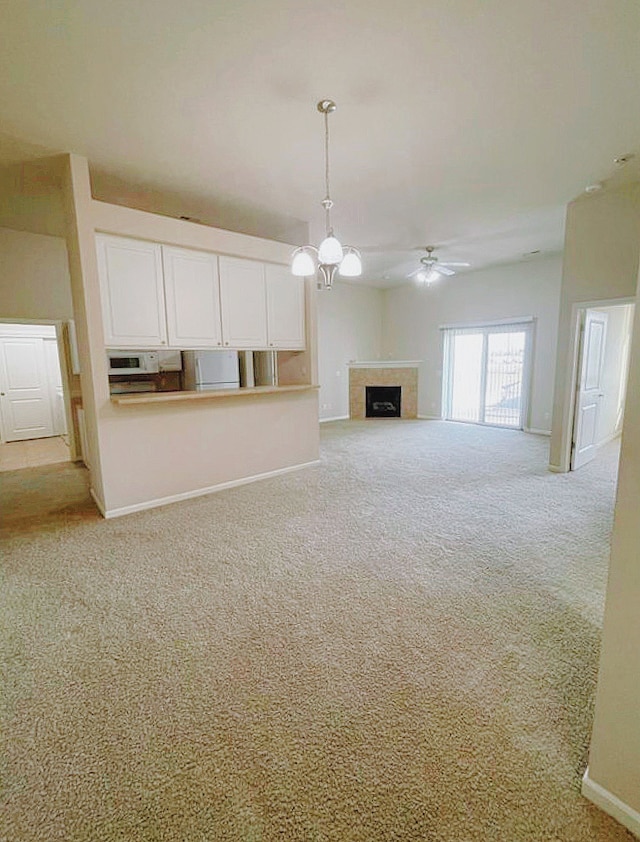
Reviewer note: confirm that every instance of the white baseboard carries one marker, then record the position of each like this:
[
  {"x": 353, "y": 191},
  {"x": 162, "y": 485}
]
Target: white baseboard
[
  {"x": 557, "y": 469},
  {"x": 611, "y": 804},
  {"x": 198, "y": 492},
  {"x": 537, "y": 432},
  {"x": 609, "y": 439},
  {"x": 335, "y": 418},
  {"x": 429, "y": 417}
]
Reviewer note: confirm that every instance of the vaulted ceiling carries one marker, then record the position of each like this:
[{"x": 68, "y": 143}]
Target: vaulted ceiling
[{"x": 465, "y": 124}]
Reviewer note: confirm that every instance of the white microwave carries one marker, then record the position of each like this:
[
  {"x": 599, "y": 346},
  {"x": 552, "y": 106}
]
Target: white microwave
[{"x": 133, "y": 362}]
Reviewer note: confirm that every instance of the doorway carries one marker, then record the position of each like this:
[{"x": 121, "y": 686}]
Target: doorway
[
  {"x": 603, "y": 365},
  {"x": 487, "y": 373},
  {"x": 33, "y": 404}
]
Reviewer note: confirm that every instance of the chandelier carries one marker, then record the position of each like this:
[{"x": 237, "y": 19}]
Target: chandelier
[{"x": 330, "y": 256}]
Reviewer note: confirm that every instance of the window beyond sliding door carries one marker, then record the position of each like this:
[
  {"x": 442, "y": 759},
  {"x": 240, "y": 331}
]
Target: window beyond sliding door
[{"x": 486, "y": 374}]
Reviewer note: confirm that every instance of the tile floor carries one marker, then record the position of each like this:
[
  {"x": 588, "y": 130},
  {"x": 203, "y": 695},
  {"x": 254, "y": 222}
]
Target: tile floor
[{"x": 27, "y": 454}]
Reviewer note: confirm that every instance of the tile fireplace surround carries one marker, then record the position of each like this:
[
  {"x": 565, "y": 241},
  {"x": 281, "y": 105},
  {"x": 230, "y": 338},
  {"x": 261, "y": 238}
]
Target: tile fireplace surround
[{"x": 403, "y": 373}]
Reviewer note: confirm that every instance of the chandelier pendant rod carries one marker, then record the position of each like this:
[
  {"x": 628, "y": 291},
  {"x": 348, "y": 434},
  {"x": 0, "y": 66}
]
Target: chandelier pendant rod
[
  {"x": 330, "y": 255},
  {"x": 327, "y": 108}
]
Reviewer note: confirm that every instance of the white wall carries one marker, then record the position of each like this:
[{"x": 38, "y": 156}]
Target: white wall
[
  {"x": 413, "y": 315},
  {"x": 34, "y": 276},
  {"x": 31, "y": 197},
  {"x": 614, "y": 761},
  {"x": 349, "y": 328},
  {"x": 213, "y": 211}
]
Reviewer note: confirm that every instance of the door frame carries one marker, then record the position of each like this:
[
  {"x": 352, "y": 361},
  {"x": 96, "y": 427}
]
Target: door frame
[
  {"x": 528, "y": 325},
  {"x": 65, "y": 372},
  {"x": 578, "y": 308}
]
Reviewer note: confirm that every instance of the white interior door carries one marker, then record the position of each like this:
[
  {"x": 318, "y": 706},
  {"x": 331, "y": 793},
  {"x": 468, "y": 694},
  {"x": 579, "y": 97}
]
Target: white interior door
[
  {"x": 589, "y": 392},
  {"x": 24, "y": 389},
  {"x": 56, "y": 395}
]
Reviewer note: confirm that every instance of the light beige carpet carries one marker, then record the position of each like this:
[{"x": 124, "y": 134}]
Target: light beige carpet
[{"x": 400, "y": 644}]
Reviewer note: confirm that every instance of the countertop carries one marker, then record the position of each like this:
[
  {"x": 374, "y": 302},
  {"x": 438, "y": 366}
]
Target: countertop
[{"x": 214, "y": 394}]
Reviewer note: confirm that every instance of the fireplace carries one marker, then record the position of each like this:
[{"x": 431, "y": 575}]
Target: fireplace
[
  {"x": 383, "y": 401},
  {"x": 399, "y": 377}
]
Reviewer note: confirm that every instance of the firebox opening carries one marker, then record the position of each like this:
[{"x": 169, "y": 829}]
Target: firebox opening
[{"x": 383, "y": 401}]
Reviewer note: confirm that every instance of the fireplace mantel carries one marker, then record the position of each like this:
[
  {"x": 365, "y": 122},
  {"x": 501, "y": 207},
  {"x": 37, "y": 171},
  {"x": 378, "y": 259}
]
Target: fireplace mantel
[{"x": 384, "y": 363}]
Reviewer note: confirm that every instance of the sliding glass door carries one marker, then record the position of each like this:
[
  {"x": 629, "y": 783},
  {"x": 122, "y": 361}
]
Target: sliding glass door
[{"x": 486, "y": 374}]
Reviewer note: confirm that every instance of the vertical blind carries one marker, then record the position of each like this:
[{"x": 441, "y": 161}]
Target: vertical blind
[{"x": 486, "y": 373}]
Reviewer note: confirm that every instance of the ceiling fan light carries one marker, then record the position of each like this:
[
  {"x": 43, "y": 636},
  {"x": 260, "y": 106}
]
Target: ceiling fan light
[
  {"x": 330, "y": 251},
  {"x": 351, "y": 266},
  {"x": 302, "y": 264}
]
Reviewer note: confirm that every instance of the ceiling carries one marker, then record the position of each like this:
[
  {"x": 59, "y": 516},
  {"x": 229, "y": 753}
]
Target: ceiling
[{"x": 465, "y": 124}]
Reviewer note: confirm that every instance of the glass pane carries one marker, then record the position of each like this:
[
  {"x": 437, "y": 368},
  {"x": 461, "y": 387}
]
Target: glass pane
[
  {"x": 505, "y": 365},
  {"x": 466, "y": 372}
]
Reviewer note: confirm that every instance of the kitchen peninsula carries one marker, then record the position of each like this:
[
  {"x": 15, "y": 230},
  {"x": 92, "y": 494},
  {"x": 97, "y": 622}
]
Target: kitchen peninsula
[{"x": 146, "y": 281}]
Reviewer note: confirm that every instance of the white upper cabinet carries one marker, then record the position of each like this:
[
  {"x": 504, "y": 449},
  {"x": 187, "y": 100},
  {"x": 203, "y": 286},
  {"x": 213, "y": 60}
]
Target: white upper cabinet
[
  {"x": 156, "y": 296},
  {"x": 285, "y": 308},
  {"x": 192, "y": 291},
  {"x": 243, "y": 303},
  {"x": 132, "y": 292}
]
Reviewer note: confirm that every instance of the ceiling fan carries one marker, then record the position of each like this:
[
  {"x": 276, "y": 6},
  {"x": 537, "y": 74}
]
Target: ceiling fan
[{"x": 431, "y": 269}]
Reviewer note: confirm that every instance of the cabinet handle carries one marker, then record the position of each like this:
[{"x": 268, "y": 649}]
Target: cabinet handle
[{"x": 226, "y": 343}]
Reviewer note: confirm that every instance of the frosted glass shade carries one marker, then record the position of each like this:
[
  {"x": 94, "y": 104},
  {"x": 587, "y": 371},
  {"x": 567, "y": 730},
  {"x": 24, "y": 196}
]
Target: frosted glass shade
[
  {"x": 330, "y": 251},
  {"x": 351, "y": 266},
  {"x": 303, "y": 265}
]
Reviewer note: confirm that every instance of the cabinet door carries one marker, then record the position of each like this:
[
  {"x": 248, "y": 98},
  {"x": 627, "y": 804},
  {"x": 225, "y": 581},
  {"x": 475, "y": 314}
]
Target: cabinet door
[
  {"x": 193, "y": 298},
  {"x": 243, "y": 303},
  {"x": 132, "y": 292},
  {"x": 285, "y": 308}
]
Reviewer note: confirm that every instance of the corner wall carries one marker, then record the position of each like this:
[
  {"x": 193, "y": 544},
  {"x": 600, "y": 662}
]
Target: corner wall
[
  {"x": 413, "y": 317},
  {"x": 349, "y": 328},
  {"x": 35, "y": 282},
  {"x": 602, "y": 248}
]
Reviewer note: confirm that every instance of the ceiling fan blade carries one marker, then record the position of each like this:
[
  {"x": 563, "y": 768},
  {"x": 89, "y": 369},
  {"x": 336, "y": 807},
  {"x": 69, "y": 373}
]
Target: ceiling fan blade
[
  {"x": 449, "y": 263},
  {"x": 444, "y": 270}
]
